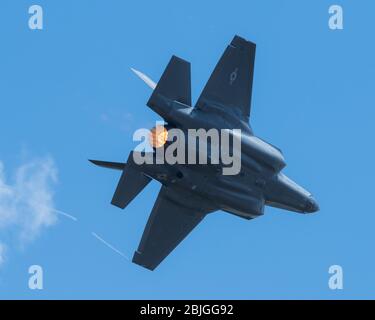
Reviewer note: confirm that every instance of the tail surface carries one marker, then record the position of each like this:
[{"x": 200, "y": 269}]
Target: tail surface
[
  {"x": 131, "y": 183},
  {"x": 174, "y": 84}
]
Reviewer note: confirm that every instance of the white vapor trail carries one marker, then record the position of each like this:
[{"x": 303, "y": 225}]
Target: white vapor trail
[
  {"x": 145, "y": 78},
  {"x": 110, "y": 246},
  {"x": 65, "y": 214}
]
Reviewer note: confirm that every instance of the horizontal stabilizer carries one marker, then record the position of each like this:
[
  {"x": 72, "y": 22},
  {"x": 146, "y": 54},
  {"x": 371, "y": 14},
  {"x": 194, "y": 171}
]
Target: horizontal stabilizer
[
  {"x": 109, "y": 165},
  {"x": 131, "y": 183}
]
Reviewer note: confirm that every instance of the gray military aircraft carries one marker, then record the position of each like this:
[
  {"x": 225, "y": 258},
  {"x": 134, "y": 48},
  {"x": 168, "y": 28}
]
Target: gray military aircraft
[{"x": 189, "y": 192}]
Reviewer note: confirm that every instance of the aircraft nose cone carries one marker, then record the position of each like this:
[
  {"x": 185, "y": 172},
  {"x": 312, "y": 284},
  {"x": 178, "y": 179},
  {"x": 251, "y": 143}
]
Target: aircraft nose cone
[{"x": 312, "y": 205}]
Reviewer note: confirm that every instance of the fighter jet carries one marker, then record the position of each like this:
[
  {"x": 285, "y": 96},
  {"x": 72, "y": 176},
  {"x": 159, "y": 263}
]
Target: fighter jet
[{"x": 190, "y": 192}]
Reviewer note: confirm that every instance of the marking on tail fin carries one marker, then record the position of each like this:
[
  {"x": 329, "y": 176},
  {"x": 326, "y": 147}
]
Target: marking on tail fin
[{"x": 233, "y": 76}]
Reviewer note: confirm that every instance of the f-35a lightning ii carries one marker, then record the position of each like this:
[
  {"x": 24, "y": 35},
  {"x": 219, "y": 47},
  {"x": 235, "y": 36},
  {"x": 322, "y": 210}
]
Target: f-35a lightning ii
[{"x": 190, "y": 192}]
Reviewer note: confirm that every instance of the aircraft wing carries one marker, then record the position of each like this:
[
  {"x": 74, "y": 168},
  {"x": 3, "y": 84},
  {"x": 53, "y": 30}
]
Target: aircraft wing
[
  {"x": 230, "y": 85},
  {"x": 173, "y": 217}
]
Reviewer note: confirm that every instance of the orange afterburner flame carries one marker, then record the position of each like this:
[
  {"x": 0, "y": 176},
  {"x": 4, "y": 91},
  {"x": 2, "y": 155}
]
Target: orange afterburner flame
[{"x": 158, "y": 136}]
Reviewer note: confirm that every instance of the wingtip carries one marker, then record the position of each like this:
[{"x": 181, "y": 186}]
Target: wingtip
[{"x": 137, "y": 259}]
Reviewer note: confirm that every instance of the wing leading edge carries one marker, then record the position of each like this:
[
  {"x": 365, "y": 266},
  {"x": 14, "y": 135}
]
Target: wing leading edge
[
  {"x": 230, "y": 85},
  {"x": 172, "y": 218}
]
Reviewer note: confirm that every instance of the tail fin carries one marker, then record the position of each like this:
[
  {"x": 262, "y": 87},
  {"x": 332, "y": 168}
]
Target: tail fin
[
  {"x": 131, "y": 183},
  {"x": 174, "y": 84},
  {"x": 230, "y": 84}
]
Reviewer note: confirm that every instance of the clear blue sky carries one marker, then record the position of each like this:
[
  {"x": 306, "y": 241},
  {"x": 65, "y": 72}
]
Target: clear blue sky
[{"x": 67, "y": 93}]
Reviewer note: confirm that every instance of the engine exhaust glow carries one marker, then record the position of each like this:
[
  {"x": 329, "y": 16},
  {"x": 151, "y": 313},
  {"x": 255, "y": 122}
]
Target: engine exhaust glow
[{"x": 158, "y": 136}]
